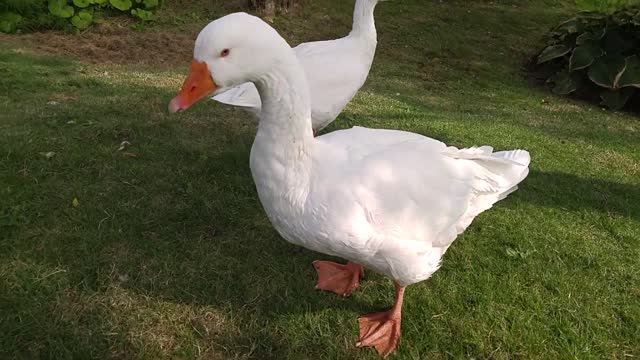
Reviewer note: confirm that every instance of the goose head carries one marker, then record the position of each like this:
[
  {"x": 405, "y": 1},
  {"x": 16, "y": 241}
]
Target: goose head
[{"x": 229, "y": 51}]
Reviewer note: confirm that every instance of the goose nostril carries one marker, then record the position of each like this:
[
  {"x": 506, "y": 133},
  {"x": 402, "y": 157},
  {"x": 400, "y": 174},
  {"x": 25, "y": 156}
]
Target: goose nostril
[{"x": 193, "y": 88}]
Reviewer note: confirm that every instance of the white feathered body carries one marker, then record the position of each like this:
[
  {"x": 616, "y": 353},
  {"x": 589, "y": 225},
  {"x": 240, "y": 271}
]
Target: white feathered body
[{"x": 392, "y": 201}]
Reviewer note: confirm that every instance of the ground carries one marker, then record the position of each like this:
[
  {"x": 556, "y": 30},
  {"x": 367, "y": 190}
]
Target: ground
[{"x": 159, "y": 248}]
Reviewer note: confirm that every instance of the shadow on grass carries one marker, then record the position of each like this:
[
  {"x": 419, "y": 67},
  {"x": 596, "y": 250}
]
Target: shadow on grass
[{"x": 573, "y": 193}]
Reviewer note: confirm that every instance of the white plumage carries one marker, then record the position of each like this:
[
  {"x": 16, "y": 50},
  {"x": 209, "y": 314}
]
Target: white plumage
[
  {"x": 335, "y": 70},
  {"x": 390, "y": 200}
]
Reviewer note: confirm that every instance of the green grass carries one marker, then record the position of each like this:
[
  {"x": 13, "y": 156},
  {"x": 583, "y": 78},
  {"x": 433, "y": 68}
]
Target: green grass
[{"x": 169, "y": 254}]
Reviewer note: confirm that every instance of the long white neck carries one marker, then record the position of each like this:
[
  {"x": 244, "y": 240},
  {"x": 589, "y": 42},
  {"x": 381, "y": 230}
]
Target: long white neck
[
  {"x": 281, "y": 152},
  {"x": 363, "y": 21}
]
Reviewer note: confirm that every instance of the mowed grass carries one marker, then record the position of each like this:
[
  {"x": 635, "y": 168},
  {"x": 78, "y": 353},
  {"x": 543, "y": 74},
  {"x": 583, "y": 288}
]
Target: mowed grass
[{"x": 168, "y": 253}]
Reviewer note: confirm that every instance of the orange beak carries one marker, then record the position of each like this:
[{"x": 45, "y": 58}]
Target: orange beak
[{"x": 199, "y": 84}]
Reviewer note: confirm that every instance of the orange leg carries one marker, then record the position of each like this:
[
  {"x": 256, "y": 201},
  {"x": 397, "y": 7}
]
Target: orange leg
[
  {"x": 337, "y": 278},
  {"x": 382, "y": 330}
]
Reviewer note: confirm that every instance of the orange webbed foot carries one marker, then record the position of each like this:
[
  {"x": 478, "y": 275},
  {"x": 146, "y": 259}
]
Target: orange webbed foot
[{"x": 338, "y": 278}]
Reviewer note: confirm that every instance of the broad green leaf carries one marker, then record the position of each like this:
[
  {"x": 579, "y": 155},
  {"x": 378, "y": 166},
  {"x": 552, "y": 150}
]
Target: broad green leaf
[
  {"x": 583, "y": 56},
  {"x": 9, "y": 21},
  {"x": 605, "y": 70},
  {"x": 616, "y": 99},
  {"x": 563, "y": 83},
  {"x": 631, "y": 74},
  {"x": 82, "y": 20},
  {"x": 589, "y": 36},
  {"x": 552, "y": 52},
  {"x": 99, "y": 2},
  {"x": 614, "y": 42},
  {"x": 122, "y": 5},
  {"x": 60, "y": 8},
  {"x": 570, "y": 26},
  {"x": 82, "y": 3}
]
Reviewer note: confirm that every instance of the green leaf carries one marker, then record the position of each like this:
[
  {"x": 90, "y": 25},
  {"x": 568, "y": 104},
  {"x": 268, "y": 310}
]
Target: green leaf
[
  {"x": 583, "y": 56},
  {"x": 605, "y": 70},
  {"x": 9, "y": 21},
  {"x": 60, "y": 8},
  {"x": 570, "y": 26},
  {"x": 630, "y": 77},
  {"x": 122, "y": 5},
  {"x": 589, "y": 36},
  {"x": 75, "y": 202},
  {"x": 616, "y": 99},
  {"x": 99, "y": 2},
  {"x": 82, "y": 20},
  {"x": 142, "y": 14},
  {"x": 564, "y": 83},
  {"x": 150, "y": 3},
  {"x": 614, "y": 41},
  {"x": 82, "y": 3},
  {"x": 552, "y": 52}
]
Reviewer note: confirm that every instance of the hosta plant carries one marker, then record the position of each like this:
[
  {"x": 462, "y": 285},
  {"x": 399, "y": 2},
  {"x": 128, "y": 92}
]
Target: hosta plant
[{"x": 595, "y": 52}]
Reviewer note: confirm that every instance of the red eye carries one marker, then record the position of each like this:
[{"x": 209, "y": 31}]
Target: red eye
[{"x": 224, "y": 53}]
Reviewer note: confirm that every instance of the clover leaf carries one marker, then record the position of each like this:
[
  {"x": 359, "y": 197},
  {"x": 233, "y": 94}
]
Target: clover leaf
[
  {"x": 122, "y": 5},
  {"x": 60, "y": 8},
  {"x": 82, "y": 20}
]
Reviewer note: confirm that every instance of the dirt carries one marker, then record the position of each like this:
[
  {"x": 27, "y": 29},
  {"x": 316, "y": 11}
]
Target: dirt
[{"x": 116, "y": 42}]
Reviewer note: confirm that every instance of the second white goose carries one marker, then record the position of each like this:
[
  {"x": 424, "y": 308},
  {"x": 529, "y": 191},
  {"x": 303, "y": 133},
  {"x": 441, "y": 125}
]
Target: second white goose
[{"x": 335, "y": 70}]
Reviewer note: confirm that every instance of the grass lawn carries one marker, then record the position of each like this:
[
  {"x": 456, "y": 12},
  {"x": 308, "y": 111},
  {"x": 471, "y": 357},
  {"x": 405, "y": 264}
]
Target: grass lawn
[{"x": 167, "y": 253}]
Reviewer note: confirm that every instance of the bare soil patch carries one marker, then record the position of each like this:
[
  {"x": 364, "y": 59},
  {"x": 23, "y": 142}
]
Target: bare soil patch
[{"x": 115, "y": 42}]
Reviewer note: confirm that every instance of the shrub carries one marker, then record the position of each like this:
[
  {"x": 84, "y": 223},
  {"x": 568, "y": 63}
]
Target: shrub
[
  {"x": 29, "y": 15},
  {"x": 596, "y": 52}
]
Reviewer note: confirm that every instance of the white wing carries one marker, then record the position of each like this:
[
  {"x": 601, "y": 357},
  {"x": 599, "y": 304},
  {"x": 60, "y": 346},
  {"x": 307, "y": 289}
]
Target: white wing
[
  {"x": 244, "y": 95},
  {"x": 403, "y": 197}
]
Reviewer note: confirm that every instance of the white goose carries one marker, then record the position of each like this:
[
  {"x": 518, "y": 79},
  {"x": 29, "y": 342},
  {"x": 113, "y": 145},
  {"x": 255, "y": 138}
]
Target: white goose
[
  {"x": 335, "y": 70},
  {"x": 391, "y": 201}
]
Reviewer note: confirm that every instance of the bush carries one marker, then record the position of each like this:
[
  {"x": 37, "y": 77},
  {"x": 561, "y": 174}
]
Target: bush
[
  {"x": 29, "y": 15},
  {"x": 596, "y": 53}
]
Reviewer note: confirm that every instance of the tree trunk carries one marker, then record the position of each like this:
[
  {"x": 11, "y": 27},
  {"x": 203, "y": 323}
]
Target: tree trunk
[{"x": 269, "y": 7}]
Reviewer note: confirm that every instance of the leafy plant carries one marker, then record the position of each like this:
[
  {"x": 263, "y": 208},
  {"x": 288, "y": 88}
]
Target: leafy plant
[
  {"x": 82, "y": 3},
  {"x": 122, "y": 5},
  {"x": 60, "y": 8},
  {"x": 143, "y": 15},
  {"x": 9, "y": 21},
  {"x": 596, "y": 53},
  {"x": 82, "y": 20},
  {"x": 25, "y": 15}
]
